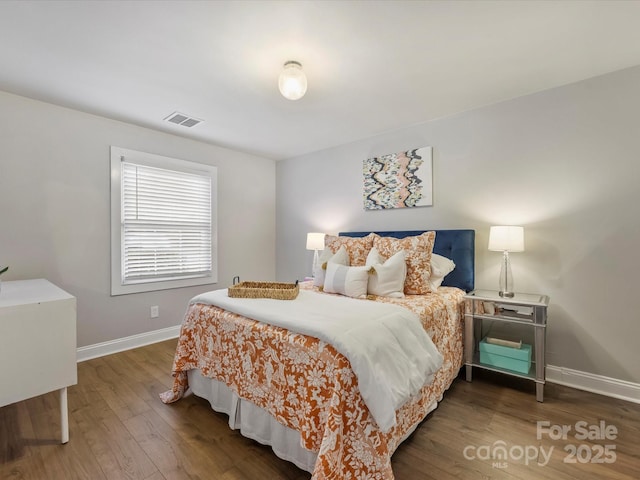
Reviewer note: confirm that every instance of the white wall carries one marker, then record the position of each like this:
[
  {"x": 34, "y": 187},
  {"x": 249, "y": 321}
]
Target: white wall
[
  {"x": 54, "y": 212},
  {"x": 564, "y": 163}
]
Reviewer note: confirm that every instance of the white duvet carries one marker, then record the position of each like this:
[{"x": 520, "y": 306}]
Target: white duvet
[{"x": 390, "y": 353}]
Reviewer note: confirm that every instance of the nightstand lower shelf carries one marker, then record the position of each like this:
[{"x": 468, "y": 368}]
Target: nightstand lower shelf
[{"x": 527, "y": 376}]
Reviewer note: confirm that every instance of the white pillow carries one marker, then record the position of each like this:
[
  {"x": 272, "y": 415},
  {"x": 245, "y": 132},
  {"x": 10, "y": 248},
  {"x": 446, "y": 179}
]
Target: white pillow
[
  {"x": 349, "y": 281},
  {"x": 386, "y": 278},
  {"x": 440, "y": 268},
  {"x": 341, "y": 257}
]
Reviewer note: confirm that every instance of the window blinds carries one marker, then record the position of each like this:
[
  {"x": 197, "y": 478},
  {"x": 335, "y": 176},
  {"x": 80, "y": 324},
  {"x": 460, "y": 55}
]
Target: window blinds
[{"x": 166, "y": 224}]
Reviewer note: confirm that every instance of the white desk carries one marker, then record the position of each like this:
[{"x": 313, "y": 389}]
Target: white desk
[{"x": 37, "y": 343}]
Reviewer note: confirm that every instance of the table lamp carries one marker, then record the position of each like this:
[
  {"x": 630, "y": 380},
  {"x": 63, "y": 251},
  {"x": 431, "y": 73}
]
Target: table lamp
[
  {"x": 315, "y": 242},
  {"x": 506, "y": 239}
]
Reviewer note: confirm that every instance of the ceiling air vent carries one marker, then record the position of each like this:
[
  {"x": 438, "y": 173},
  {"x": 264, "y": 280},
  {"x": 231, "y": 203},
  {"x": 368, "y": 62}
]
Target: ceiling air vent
[{"x": 182, "y": 119}]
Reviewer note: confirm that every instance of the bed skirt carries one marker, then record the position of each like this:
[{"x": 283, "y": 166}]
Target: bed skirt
[
  {"x": 258, "y": 424},
  {"x": 252, "y": 421}
]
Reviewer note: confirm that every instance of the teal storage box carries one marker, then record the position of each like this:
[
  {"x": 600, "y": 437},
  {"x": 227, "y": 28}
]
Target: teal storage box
[{"x": 514, "y": 359}]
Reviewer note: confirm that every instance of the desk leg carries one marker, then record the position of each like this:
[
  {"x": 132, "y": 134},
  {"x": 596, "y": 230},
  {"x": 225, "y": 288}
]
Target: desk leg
[{"x": 64, "y": 415}]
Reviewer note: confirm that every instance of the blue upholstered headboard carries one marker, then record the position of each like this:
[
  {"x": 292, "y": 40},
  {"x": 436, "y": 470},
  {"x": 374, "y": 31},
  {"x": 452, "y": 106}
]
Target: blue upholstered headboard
[{"x": 458, "y": 245}]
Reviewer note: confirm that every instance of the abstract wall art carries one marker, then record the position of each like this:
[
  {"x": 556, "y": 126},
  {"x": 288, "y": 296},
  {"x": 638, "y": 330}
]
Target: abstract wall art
[{"x": 399, "y": 180}]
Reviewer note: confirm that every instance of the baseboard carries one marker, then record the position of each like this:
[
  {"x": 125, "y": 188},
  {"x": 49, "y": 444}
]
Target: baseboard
[
  {"x": 126, "y": 343},
  {"x": 611, "y": 387}
]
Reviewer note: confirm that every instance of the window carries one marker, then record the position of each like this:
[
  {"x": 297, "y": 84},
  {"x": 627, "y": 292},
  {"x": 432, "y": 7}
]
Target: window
[{"x": 163, "y": 222}]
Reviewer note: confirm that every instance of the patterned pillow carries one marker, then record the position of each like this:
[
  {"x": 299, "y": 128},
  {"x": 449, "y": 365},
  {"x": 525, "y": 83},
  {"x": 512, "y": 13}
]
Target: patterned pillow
[
  {"x": 349, "y": 281},
  {"x": 418, "y": 252},
  {"x": 357, "y": 248}
]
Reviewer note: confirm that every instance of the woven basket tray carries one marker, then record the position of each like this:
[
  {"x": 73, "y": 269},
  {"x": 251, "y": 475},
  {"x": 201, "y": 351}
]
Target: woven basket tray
[{"x": 277, "y": 290}]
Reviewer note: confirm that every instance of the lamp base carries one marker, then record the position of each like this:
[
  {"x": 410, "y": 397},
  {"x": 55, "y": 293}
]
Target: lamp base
[
  {"x": 315, "y": 263},
  {"x": 506, "y": 278}
]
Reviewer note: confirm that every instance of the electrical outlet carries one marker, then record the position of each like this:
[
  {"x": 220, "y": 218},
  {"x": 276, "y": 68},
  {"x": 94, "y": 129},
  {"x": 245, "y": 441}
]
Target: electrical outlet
[{"x": 155, "y": 311}]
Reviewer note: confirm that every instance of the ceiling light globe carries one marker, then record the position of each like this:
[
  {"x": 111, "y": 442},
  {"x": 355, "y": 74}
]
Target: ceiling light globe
[{"x": 292, "y": 81}]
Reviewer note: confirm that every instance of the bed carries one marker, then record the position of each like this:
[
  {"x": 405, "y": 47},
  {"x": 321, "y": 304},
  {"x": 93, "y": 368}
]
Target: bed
[{"x": 284, "y": 387}]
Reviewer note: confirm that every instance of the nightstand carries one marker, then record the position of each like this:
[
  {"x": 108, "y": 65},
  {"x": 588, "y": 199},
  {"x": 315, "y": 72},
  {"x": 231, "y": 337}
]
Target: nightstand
[{"x": 526, "y": 310}]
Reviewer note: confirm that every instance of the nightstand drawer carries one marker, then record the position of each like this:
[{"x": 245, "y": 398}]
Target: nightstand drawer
[
  {"x": 521, "y": 308},
  {"x": 510, "y": 311}
]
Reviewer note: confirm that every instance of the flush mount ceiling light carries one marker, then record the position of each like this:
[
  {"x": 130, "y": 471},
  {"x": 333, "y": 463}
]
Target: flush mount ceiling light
[{"x": 292, "y": 81}]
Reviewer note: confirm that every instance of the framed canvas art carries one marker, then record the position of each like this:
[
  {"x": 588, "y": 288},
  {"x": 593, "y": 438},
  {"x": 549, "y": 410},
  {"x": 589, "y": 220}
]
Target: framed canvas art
[{"x": 399, "y": 180}]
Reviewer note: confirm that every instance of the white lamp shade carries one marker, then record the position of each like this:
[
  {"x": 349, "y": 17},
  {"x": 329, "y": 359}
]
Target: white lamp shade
[
  {"x": 292, "y": 81},
  {"x": 506, "y": 239},
  {"x": 315, "y": 241}
]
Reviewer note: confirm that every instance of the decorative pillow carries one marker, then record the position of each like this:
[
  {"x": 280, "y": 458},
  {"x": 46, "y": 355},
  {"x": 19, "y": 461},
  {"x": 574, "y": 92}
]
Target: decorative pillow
[
  {"x": 440, "y": 268},
  {"x": 386, "y": 279},
  {"x": 349, "y": 281},
  {"x": 341, "y": 257},
  {"x": 418, "y": 252},
  {"x": 357, "y": 247}
]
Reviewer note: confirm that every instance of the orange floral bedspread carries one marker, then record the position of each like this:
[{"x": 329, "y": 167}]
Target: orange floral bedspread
[{"x": 310, "y": 387}]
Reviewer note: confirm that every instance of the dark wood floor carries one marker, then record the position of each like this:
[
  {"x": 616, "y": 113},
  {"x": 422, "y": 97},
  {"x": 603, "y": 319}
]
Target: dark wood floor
[{"x": 119, "y": 429}]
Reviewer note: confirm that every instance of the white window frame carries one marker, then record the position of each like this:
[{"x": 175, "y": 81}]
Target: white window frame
[{"x": 118, "y": 155}]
